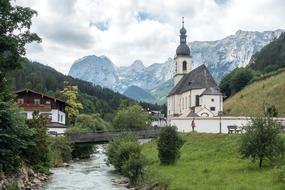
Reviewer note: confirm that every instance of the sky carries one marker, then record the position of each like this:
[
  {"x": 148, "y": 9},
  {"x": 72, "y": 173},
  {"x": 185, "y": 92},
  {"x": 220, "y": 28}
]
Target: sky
[{"x": 126, "y": 30}]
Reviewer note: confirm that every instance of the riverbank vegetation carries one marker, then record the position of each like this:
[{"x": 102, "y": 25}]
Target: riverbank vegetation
[
  {"x": 211, "y": 161},
  {"x": 124, "y": 153}
]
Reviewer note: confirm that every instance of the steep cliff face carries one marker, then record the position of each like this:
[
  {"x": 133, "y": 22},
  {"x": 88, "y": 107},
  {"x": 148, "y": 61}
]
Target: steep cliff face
[
  {"x": 98, "y": 70},
  {"x": 222, "y": 56}
]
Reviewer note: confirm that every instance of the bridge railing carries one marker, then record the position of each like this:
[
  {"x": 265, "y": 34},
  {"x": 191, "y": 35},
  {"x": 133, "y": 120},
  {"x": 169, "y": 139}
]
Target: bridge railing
[{"x": 104, "y": 136}]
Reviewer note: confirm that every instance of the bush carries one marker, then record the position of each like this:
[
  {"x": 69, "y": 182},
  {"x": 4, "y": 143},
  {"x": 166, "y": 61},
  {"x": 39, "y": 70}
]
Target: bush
[
  {"x": 168, "y": 145},
  {"x": 262, "y": 140},
  {"x": 131, "y": 117},
  {"x": 124, "y": 153},
  {"x": 60, "y": 150},
  {"x": 134, "y": 168}
]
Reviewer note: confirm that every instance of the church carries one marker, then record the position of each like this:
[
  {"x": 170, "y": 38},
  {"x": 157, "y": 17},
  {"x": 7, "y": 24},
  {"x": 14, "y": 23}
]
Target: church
[{"x": 195, "y": 92}]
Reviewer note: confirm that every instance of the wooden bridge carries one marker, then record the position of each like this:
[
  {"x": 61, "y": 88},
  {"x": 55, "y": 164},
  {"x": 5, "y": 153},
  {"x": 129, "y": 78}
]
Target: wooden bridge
[{"x": 105, "y": 136}]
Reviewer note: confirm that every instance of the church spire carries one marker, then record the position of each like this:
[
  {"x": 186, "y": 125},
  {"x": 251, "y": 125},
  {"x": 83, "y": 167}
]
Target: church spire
[
  {"x": 183, "y": 32},
  {"x": 183, "y": 48}
]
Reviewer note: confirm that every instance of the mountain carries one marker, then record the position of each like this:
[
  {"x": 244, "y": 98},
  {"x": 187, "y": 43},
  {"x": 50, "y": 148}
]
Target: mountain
[
  {"x": 220, "y": 56},
  {"x": 139, "y": 94},
  {"x": 98, "y": 70},
  {"x": 268, "y": 91},
  {"x": 101, "y": 71},
  {"x": 160, "y": 92},
  {"x": 95, "y": 99}
]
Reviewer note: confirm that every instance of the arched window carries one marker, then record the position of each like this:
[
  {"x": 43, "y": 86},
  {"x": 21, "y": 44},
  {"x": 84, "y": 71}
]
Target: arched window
[
  {"x": 197, "y": 100},
  {"x": 184, "y": 66}
]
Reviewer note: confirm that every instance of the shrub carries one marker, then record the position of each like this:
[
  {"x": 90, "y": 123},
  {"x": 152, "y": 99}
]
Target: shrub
[
  {"x": 271, "y": 111},
  {"x": 134, "y": 168},
  {"x": 124, "y": 153},
  {"x": 262, "y": 140},
  {"x": 169, "y": 144},
  {"x": 60, "y": 150}
]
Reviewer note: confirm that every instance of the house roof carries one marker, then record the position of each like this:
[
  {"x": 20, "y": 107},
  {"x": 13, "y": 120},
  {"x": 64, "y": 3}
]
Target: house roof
[
  {"x": 41, "y": 94},
  {"x": 198, "y": 78}
]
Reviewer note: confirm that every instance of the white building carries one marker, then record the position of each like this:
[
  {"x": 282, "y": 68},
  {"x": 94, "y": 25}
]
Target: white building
[
  {"x": 48, "y": 106},
  {"x": 195, "y": 92}
]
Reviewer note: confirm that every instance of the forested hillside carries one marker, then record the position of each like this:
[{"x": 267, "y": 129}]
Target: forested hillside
[
  {"x": 268, "y": 60},
  {"x": 95, "y": 99},
  {"x": 271, "y": 57}
]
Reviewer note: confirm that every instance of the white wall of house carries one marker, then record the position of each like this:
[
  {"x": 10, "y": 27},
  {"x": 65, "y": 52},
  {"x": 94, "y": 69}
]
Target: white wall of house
[
  {"x": 211, "y": 124},
  {"x": 58, "y": 116},
  {"x": 28, "y": 114}
]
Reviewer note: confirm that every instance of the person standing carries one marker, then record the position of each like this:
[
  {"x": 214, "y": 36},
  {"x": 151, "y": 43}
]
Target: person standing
[{"x": 193, "y": 125}]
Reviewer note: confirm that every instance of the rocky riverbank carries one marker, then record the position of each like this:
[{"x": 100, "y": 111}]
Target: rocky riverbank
[{"x": 24, "y": 179}]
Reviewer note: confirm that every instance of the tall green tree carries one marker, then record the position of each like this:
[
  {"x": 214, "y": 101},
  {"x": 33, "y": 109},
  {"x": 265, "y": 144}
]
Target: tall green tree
[
  {"x": 131, "y": 117},
  {"x": 15, "y": 24},
  {"x": 262, "y": 140},
  {"x": 70, "y": 93}
]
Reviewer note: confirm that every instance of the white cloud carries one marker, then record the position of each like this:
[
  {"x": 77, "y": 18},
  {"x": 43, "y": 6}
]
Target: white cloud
[{"x": 68, "y": 33}]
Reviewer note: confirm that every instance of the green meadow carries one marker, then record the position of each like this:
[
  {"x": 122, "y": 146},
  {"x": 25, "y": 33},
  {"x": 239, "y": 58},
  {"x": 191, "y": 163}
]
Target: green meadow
[{"x": 211, "y": 162}]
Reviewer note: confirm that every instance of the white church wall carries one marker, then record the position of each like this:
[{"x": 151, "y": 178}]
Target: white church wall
[
  {"x": 212, "y": 124},
  {"x": 193, "y": 94},
  {"x": 209, "y": 101},
  {"x": 185, "y": 101}
]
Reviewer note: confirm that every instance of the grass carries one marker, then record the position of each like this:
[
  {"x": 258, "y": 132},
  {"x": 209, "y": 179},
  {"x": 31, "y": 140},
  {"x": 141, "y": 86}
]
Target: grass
[
  {"x": 250, "y": 101},
  {"x": 210, "y": 162}
]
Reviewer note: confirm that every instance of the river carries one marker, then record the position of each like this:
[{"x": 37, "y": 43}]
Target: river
[{"x": 87, "y": 174}]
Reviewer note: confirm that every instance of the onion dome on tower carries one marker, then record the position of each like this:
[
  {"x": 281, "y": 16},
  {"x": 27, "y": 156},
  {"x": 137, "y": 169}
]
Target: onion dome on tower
[{"x": 183, "y": 49}]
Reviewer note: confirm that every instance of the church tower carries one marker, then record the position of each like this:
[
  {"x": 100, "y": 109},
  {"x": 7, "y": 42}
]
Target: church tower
[{"x": 183, "y": 59}]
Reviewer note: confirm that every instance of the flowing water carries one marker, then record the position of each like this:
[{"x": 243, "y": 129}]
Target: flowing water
[{"x": 84, "y": 175}]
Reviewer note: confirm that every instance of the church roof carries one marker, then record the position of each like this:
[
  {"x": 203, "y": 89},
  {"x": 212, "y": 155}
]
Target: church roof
[
  {"x": 198, "y": 78},
  {"x": 211, "y": 91}
]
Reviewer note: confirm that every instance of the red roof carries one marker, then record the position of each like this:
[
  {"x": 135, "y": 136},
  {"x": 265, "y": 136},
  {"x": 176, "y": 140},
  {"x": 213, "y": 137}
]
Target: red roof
[{"x": 35, "y": 92}]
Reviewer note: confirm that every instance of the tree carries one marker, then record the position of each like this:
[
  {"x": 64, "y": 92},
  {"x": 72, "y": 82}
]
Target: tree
[
  {"x": 70, "y": 93},
  {"x": 14, "y": 35},
  {"x": 168, "y": 145},
  {"x": 131, "y": 117},
  {"x": 262, "y": 140},
  {"x": 236, "y": 80},
  {"x": 15, "y": 22},
  {"x": 40, "y": 159}
]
